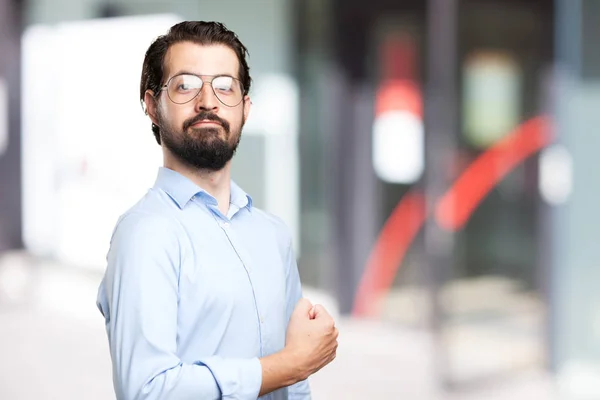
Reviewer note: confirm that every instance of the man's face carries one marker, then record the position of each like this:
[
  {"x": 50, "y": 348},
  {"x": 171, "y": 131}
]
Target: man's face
[{"x": 203, "y": 133}]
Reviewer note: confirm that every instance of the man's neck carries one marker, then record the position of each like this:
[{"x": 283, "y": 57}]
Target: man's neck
[{"x": 216, "y": 183}]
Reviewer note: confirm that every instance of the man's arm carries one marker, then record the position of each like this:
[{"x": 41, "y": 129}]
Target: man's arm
[
  {"x": 279, "y": 371},
  {"x": 299, "y": 390},
  {"x": 141, "y": 299}
]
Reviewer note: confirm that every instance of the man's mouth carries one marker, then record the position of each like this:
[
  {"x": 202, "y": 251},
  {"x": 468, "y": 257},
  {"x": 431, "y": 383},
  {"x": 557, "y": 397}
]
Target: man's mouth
[{"x": 206, "y": 121}]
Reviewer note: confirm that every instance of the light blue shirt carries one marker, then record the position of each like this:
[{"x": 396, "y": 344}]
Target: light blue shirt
[{"x": 193, "y": 298}]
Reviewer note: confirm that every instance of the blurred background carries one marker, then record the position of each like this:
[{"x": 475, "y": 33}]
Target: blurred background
[{"x": 437, "y": 163}]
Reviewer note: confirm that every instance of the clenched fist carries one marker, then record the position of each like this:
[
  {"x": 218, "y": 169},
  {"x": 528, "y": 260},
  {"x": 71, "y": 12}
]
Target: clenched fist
[{"x": 311, "y": 337}]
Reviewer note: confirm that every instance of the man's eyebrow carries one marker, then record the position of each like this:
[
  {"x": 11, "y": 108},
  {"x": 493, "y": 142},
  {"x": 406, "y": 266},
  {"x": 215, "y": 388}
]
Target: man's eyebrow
[
  {"x": 187, "y": 72},
  {"x": 184, "y": 71}
]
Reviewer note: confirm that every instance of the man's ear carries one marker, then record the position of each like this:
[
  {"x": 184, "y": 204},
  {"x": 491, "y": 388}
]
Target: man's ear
[
  {"x": 150, "y": 105},
  {"x": 247, "y": 106}
]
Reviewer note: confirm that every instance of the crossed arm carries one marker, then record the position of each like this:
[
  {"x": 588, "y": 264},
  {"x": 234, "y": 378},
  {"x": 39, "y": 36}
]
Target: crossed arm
[{"x": 141, "y": 287}]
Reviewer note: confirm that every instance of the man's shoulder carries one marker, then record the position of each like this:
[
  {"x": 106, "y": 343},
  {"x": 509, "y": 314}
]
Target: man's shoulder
[
  {"x": 274, "y": 223},
  {"x": 150, "y": 214},
  {"x": 268, "y": 218}
]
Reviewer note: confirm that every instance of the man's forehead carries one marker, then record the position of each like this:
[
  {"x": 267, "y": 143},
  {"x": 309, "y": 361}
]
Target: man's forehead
[{"x": 213, "y": 59}]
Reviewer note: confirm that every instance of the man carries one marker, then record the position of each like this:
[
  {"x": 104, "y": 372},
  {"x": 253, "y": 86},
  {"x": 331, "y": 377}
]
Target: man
[{"x": 201, "y": 296}]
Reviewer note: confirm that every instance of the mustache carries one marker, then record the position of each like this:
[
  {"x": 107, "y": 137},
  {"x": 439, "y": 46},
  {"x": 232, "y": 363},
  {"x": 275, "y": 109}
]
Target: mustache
[{"x": 205, "y": 115}]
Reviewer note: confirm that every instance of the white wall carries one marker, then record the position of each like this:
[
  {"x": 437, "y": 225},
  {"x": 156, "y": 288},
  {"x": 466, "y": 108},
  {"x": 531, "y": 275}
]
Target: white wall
[{"x": 69, "y": 217}]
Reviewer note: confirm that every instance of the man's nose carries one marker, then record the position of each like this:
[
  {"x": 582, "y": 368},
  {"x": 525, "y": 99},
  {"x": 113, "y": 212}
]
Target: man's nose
[{"x": 206, "y": 99}]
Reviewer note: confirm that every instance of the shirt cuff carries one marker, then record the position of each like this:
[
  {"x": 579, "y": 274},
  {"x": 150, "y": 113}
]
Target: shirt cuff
[{"x": 237, "y": 378}]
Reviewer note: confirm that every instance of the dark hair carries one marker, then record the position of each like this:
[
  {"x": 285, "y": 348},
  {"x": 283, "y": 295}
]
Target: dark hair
[{"x": 200, "y": 32}]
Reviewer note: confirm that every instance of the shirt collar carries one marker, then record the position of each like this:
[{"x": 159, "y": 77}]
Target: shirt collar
[
  {"x": 240, "y": 198},
  {"x": 182, "y": 190}
]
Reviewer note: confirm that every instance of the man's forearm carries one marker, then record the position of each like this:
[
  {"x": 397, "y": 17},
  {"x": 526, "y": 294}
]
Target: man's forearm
[{"x": 278, "y": 371}]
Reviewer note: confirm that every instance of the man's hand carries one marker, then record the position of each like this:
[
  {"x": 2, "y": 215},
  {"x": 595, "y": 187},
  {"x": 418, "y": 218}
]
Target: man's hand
[
  {"x": 311, "y": 338},
  {"x": 311, "y": 344}
]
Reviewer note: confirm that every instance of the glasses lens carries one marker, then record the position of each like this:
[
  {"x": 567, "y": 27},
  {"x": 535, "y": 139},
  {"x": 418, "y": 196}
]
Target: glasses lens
[
  {"x": 183, "y": 88},
  {"x": 228, "y": 90}
]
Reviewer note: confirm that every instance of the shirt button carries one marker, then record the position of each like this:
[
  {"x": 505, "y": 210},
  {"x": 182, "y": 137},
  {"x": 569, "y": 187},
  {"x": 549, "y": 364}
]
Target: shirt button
[
  {"x": 225, "y": 224},
  {"x": 262, "y": 320}
]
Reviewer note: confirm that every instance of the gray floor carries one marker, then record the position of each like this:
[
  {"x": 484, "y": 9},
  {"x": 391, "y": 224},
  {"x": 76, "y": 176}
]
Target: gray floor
[{"x": 53, "y": 346}]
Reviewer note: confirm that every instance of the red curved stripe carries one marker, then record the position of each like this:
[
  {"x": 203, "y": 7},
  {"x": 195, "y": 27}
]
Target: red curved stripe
[
  {"x": 394, "y": 241},
  {"x": 452, "y": 211},
  {"x": 455, "y": 208}
]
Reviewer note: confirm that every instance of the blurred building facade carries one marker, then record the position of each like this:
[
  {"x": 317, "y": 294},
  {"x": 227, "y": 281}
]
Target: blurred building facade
[{"x": 436, "y": 162}]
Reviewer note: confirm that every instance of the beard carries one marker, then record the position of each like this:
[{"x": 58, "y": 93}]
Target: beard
[{"x": 201, "y": 148}]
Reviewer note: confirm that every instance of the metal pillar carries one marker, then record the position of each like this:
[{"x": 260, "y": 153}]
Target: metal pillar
[
  {"x": 353, "y": 194},
  {"x": 441, "y": 128},
  {"x": 574, "y": 294},
  {"x": 10, "y": 125}
]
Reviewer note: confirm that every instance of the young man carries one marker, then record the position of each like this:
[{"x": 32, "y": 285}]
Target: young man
[{"x": 201, "y": 296}]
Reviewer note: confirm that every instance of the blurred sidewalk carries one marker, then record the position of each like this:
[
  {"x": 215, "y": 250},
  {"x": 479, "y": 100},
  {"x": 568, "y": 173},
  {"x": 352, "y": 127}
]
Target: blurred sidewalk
[{"x": 53, "y": 346}]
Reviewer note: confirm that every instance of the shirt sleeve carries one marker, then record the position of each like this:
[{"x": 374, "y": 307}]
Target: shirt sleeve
[
  {"x": 138, "y": 298},
  {"x": 300, "y": 390}
]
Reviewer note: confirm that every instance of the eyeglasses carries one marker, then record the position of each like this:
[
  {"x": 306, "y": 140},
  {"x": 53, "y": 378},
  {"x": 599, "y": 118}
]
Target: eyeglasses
[{"x": 183, "y": 88}]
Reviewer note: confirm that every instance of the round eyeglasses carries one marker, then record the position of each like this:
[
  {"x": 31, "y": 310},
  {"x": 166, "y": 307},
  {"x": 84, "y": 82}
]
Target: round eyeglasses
[{"x": 183, "y": 88}]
